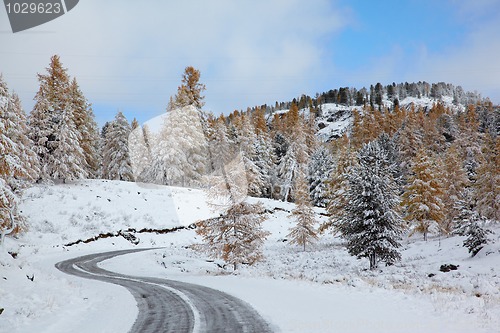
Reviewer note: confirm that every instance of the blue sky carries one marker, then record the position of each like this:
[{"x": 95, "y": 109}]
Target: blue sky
[{"x": 129, "y": 56}]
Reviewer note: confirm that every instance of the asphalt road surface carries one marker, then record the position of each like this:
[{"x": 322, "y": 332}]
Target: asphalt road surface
[{"x": 172, "y": 306}]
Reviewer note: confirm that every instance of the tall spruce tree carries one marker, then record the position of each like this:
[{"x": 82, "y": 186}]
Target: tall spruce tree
[
  {"x": 370, "y": 223},
  {"x": 180, "y": 154},
  {"x": 115, "y": 151},
  {"x": 320, "y": 168},
  {"x": 53, "y": 126},
  {"x": 18, "y": 163}
]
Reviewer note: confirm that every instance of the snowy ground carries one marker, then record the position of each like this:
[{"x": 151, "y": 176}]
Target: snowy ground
[{"x": 323, "y": 289}]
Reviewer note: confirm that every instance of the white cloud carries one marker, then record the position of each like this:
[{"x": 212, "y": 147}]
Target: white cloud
[{"x": 132, "y": 54}]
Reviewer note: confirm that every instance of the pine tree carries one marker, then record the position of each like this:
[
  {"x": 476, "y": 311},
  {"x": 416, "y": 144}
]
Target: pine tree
[
  {"x": 86, "y": 128},
  {"x": 18, "y": 164},
  {"x": 115, "y": 151},
  {"x": 320, "y": 167},
  {"x": 422, "y": 197},
  {"x": 487, "y": 185},
  {"x": 295, "y": 159},
  {"x": 180, "y": 155},
  {"x": 189, "y": 92},
  {"x": 139, "y": 151},
  {"x": 303, "y": 232},
  {"x": 248, "y": 148},
  {"x": 338, "y": 183},
  {"x": 51, "y": 101},
  {"x": 470, "y": 224},
  {"x": 221, "y": 146},
  {"x": 265, "y": 161},
  {"x": 26, "y": 167},
  {"x": 67, "y": 156},
  {"x": 371, "y": 224}
]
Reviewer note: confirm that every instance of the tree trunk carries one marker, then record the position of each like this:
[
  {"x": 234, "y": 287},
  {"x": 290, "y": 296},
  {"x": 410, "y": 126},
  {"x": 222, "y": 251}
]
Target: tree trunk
[{"x": 373, "y": 261}]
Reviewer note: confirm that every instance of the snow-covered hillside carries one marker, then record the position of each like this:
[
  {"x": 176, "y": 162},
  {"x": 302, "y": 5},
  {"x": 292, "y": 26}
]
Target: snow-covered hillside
[
  {"x": 323, "y": 289},
  {"x": 335, "y": 119}
]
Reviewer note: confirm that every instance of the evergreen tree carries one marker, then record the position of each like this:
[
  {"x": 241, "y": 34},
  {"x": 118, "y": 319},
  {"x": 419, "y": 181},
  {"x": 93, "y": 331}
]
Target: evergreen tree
[
  {"x": 371, "y": 224},
  {"x": 303, "y": 232},
  {"x": 115, "y": 151},
  {"x": 248, "y": 148},
  {"x": 140, "y": 151},
  {"x": 294, "y": 161},
  {"x": 189, "y": 92},
  {"x": 67, "y": 157},
  {"x": 18, "y": 164},
  {"x": 470, "y": 224},
  {"x": 487, "y": 185},
  {"x": 51, "y": 101},
  {"x": 320, "y": 167},
  {"x": 23, "y": 160},
  {"x": 265, "y": 161},
  {"x": 338, "y": 183},
  {"x": 180, "y": 155},
  {"x": 422, "y": 197},
  {"x": 86, "y": 128},
  {"x": 221, "y": 146}
]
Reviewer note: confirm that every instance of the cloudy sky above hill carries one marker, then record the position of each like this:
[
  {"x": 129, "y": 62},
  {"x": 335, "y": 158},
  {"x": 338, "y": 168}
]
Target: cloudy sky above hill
[{"x": 130, "y": 55}]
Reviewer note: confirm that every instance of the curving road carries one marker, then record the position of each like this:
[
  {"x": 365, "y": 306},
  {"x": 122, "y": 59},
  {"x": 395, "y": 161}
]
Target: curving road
[{"x": 172, "y": 306}]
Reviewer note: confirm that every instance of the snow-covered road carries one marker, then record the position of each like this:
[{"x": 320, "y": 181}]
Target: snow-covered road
[{"x": 171, "y": 306}]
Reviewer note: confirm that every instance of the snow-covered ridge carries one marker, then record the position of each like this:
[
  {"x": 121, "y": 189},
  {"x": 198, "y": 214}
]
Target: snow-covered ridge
[{"x": 335, "y": 118}]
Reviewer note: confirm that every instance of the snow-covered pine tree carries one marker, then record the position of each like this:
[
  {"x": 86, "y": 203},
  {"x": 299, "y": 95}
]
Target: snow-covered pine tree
[
  {"x": 487, "y": 185},
  {"x": 67, "y": 160},
  {"x": 470, "y": 224},
  {"x": 296, "y": 158},
  {"x": 338, "y": 183},
  {"x": 422, "y": 197},
  {"x": 221, "y": 146},
  {"x": 7, "y": 158},
  {"x": 18, "y": 163},
  {"x": 86, "y": 127},
  {"x": 180, "y": 154},
  {"x": 265, "y": 161},
  {"x": 19, "y": 134},
  {"x": 248, "y": 148},
  {"x": 304, "y": 231},
  {"x": 454, "y": 180},
  {"x": 370, "y": 223},
  {"x": 51, "y": 101},
  {"x": 7, "y": 202},
  {"x": 115, "y": 151},
  {"x": 321, "y": 166},
  {"x": 140, "y": 151}
]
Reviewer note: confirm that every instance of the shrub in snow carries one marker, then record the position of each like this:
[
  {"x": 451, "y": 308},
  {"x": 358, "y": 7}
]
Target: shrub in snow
[{"x": 237, "y": 236}]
